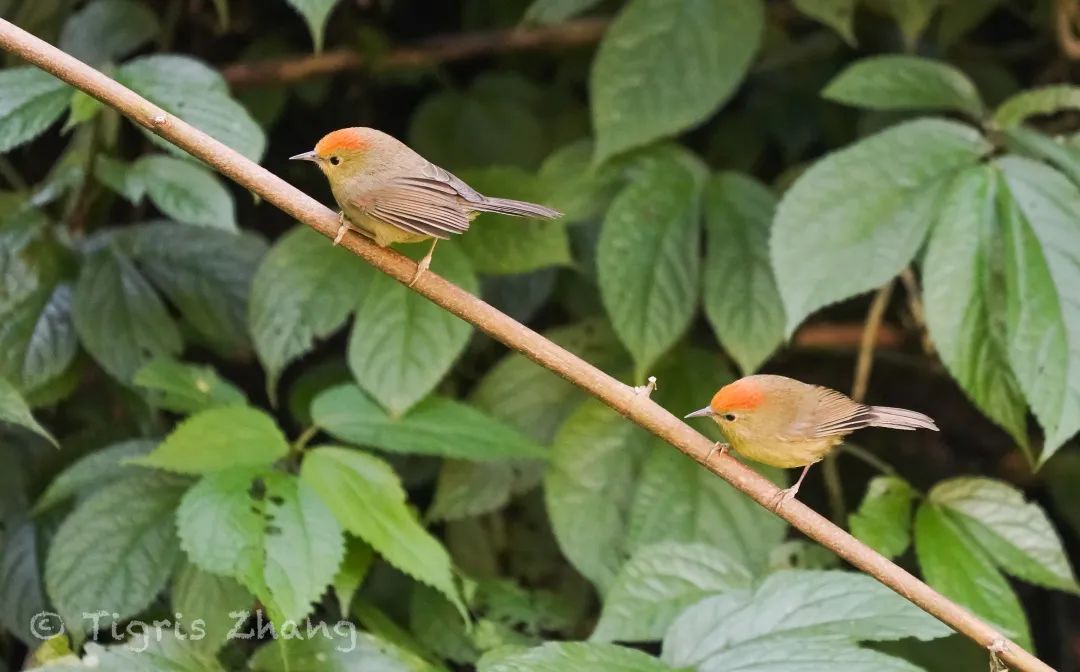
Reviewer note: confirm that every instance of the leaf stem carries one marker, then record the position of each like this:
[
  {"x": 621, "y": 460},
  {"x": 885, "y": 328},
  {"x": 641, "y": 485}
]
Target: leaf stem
[
  {"x": 301, "y": 441},
  {"x": 869, "y": 458}
]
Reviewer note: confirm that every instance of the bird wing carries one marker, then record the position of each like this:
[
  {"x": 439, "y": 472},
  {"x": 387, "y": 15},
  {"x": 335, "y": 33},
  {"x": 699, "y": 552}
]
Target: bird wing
[
  {"x": 416, "y": 205},
  {"x": 830, "y": 413}
]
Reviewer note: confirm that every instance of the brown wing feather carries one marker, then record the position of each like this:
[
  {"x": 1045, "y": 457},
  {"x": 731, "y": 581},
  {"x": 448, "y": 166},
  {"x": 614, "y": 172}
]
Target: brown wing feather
[
  {"x": 837, "y": 414},
  {"x": 416, "y": 208}
]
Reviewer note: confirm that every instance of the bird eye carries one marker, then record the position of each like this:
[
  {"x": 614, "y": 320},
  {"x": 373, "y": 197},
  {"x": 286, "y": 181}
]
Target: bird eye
[
  {"x": 334, "y": 160},
  {"x": 730, "y": 417}
]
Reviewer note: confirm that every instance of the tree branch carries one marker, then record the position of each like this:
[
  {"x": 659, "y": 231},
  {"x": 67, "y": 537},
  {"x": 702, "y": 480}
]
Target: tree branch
[
  {"x": 621, "y": 397},
  {"x": 425, "y": 53}
]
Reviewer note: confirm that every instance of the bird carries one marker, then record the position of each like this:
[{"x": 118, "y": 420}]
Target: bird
[
  {"x": 783, "y": 422},
  {"x": 391, "y": 194}
]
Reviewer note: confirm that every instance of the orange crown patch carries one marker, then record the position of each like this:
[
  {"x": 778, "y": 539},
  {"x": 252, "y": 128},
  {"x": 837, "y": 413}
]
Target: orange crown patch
[
  {"x": 345, "y": 139},
  {"x": 741, "y": 395}
]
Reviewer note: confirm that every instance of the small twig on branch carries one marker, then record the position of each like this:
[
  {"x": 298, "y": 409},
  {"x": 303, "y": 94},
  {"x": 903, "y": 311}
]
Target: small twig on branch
[
  {"x": 428, "y": 52},
  {"x": 615, "y": 394}
]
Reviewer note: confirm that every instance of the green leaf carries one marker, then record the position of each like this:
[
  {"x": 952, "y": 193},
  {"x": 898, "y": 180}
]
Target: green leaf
[
  {"x": 1045, "y": 100},
  {"x": 912, "y": 16},
  {"x": 836, "y": 14},
  {"x": 648, "y": 260},
  {"x": 434, "y": 622},
  {"x": 856, "y": 217},
  {"x": 368, "y": 500},
  {"x": 783, "y": 654},
  {"x": 147, "y": 651},
  {"x": 37, "y": 337},
  {"x": 208, "y": 604},
  {"x": 1043, "y": 295},
  {"x": 501, "y": 244},
  {"x": 315, "y": 13},
  {"x": 666, "y": 65},
  {"x": 793, "y": 605},
  {"x": 905, "y": 83},
  {"x": 436, "y": 426},
  {"x": 660, "y": 581},
  {"x": 465, "y": 489},
  {"x": 219, "y": 438},
  {"x": 741, "y": 300},
  {"x": 344, "y": 649},
  {"x": 883, "y": 521},
  {"x": 110, "y": 557},
  {"x": 119, "y": 318},
  {"x": 206, "y": 274},
  {"x": 589, "y": 488},
  {"x": 22, "y": 589},
  {"x": 964, "y": 292},
  {"x": 83, "y": 108},
  {"x": 358, "y": 559},
  {"x": 268, "y": 530},
  {"x": 574, "y": 185},
  {"x": 14, "y": 410},
  {"x": 121, "y": 177},
  {"x": 187, "y": 192},
  {"x": 93, "y": 470},
  {"x": 303, "y": 290},
  {"x": 570, "y": 657},
  {"x": 954, "y": 565},
  {"x": 197, "y": 94},
  {"x": 556, "y": 11},
  {"x": 187, "y": 388},
  {"x": 1055, "y": 150},
  {"x": 402, "y": 344},
  {"x": 31, "y": 100},
  {"x": 105, "y": 30},
  {"x": 1016, "y": 534}
]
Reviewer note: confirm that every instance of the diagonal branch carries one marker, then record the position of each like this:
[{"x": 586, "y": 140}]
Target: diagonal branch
[{"x": 638, "y": 408}]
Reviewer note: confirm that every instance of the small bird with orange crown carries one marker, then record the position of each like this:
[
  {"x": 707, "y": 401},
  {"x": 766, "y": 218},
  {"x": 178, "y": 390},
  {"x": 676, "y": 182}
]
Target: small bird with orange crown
[
  {"x": 391, "y": 194},
  {"x": 786, "y": 423}
]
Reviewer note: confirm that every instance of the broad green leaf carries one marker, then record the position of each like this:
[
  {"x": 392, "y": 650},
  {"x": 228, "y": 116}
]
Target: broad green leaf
[
  {"x": 208, "y": 604},
  {"x": 1016, "y": 534},
  {"x": 434, "y": 623},
  {"x": 83, "y": 108},
  {"x": 111, "y": 557},
  {"x": 905, "y": 83},
  {"x": 436, "y": 426},
  {"x": 37, "y": 337},
  {"x": 959, "y": 17},
  {"x": 14, "y": 410},
  {"x": 501, "y": 244},
  {"x": 856, "y": 217},
  {"x": 912, "y": 16},
  {"x": 146, "y": 651},
  {"x": 119, "y": 318},
  {"x": 741, "y": 300},
  {"x": 269, "y": 530},
  {"x": 402, "y": 344},
  {"x": 648, "y": 259},
  {"x": 369, "y": 501},
  {"x": 1043, "y": 294},
  {"x": 31, "y": 100},
  {"x": 589, "y": 488},
  {"x": 836, "y": 14},
  {"x": 794, "y": 604},
  {"x": 570, "y": 657},
  {"x": 676, "y": 500},
  {"x": 219, "y": 438},
  {"x": 1036, "y": 144},
  {"x": 964, "y": 292},
  {"x": 315, "y": 13},
  {"x": 121, "y": 177},
  {"x": 464, "y": 489},
  {"x": 187, "y": 192},
  {"x": 784, "y": 654},
  {"x": 22, "y": 588},
  {"x": 883, "y": 521},
  {"x": 358, "y": 559},
  {"x": 106, "y": 30},
  {"x": 666, "y": 65},
  {"x": 957, "y": 567},
  {"x": 659, "y": 582},
  {"x": 197, "y": 94},
  {"x": 554, "y": 11},
  {"x": 187, "y": 388},
  {"x": 574, "y": 185},
  {"x": 1046, "y": 100},
  {"x": 206, "y": 273},
  {"x": 93, "y": 470},
  {"x": 343, "y": 649},
  {"x": 303, "y": 291}
]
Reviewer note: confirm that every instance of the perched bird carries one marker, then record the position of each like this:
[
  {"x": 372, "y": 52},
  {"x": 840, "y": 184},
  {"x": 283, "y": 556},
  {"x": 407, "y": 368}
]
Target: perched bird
[
  {"x": 391, "y": 194},
  {"x": 786, "y": 423}
]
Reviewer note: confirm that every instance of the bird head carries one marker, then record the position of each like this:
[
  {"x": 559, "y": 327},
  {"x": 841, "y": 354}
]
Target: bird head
[
  {"x": 340, "y": 153},
  {"x": 733, "y": 404}
]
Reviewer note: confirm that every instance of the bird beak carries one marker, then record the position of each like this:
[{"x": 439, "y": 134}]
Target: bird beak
[
  {"x": 306, "y": 156},
  {"x": 701, "y": 413}
]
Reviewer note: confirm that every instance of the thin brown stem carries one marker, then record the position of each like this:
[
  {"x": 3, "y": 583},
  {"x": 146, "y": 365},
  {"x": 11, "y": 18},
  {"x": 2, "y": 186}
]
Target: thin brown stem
[
  {"x": 865, "y": 363},
  {"x": 1066, "y": 24},
  {"x": 918, "y": 310},
  {"x": 621, "y": 397}
]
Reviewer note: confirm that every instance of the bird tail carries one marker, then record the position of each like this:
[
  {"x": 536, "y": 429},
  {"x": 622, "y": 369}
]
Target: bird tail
[
  {"x": 507, "y": 206},
  {"x": 900, "y": 418}
]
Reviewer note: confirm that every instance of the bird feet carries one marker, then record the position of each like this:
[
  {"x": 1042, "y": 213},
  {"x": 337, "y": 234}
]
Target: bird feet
[
  {"x": 719, "y": 445},
  {"x": 646, "y": 389},
  {"x": 783, "y": 496}
]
